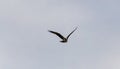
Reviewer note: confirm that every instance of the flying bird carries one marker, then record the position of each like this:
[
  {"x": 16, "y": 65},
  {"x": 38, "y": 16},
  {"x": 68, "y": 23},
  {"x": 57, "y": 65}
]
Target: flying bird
[{"x": 64, "y": 39}]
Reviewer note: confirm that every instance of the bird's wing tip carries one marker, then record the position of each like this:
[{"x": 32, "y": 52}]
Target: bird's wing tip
[
  {"x": 49, "y": 30},
  {"x": 76, "y": 27}
]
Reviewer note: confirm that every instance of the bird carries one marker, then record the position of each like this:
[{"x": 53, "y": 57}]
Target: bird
[{"x": 64, "y": 39}]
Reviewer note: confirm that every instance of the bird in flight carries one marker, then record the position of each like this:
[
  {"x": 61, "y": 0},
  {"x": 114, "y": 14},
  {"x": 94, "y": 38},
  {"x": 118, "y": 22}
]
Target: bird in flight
[{"x": 64, "y": 39}]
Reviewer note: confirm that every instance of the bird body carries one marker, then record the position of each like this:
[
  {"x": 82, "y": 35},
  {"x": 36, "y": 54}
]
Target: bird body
[{"x": 64, "y": 40}]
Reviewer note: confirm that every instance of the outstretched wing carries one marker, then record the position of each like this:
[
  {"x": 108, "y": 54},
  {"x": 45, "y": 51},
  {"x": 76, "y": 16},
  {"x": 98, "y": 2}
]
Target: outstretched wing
[
  {"x": 58, "y": 34},
  {"x": 71, "y": 33}
]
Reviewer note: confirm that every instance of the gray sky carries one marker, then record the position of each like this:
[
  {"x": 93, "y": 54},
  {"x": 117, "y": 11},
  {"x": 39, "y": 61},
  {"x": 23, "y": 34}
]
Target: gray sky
[{"x": 25, "y": 42}]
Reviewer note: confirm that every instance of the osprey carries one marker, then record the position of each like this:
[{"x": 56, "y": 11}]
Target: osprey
[{"x": 64, "y": 40}]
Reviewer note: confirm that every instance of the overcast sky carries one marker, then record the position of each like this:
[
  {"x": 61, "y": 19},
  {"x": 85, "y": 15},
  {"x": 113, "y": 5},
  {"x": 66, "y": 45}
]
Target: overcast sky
[{"x": 25, "y": 42}]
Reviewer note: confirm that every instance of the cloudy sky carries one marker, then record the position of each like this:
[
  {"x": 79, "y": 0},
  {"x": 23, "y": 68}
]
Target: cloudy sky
[{"x": 25, "y": 42}]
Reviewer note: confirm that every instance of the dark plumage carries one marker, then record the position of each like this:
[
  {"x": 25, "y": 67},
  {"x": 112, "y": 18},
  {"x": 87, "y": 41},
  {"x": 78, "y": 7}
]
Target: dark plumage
[{"x": 62, "y": 37}]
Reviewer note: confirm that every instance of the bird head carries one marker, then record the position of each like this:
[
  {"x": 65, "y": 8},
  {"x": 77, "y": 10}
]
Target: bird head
[{"x": 64, "y": 41}]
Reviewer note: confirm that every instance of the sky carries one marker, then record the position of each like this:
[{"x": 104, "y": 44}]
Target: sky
[{"x": 25, "y": 42}]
